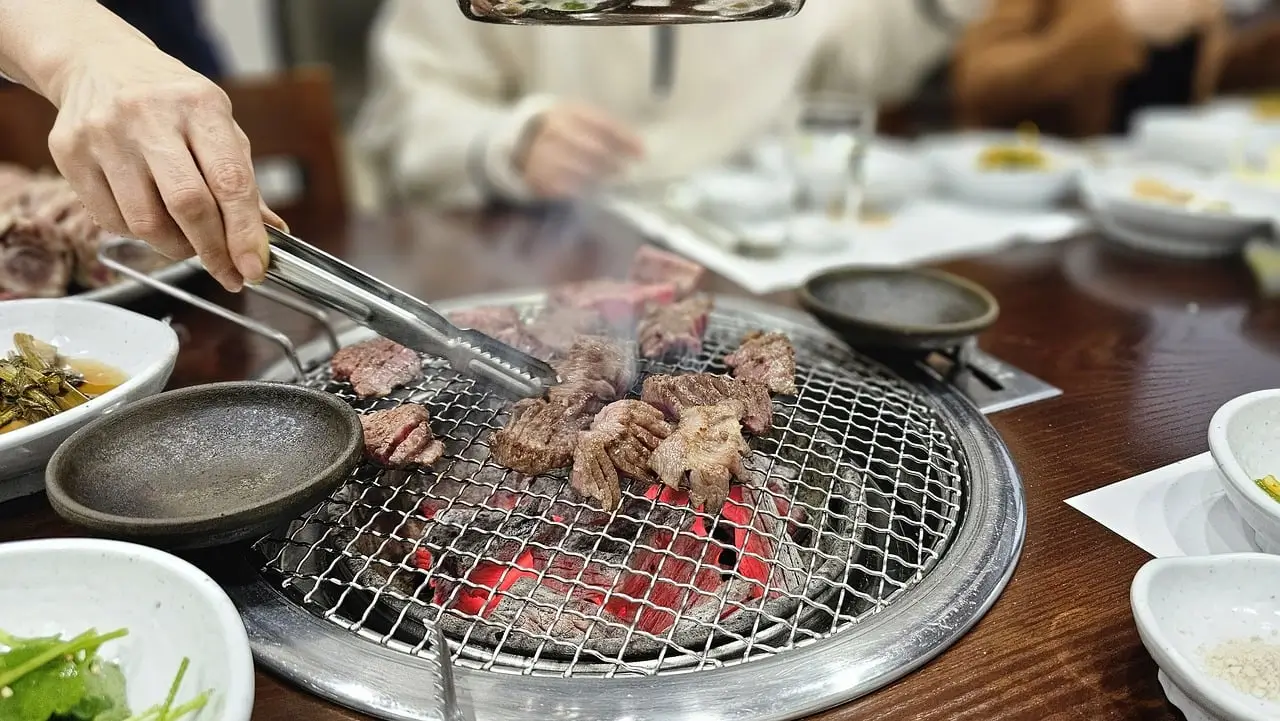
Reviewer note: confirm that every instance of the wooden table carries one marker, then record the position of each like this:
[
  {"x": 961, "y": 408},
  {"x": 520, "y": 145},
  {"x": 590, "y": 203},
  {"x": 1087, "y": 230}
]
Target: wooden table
[{"x": 1145, "y": 351}]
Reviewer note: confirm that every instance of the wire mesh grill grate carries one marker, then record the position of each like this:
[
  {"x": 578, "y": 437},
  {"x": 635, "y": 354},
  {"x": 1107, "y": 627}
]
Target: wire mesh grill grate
[{"x": 850, "y": 500}]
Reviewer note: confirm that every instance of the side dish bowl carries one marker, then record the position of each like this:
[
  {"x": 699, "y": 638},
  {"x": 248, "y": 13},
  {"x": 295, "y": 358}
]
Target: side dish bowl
[
  {"x": 143, "y": 349},
  {"x": 1243, "y": 442},
  {"x": 170, "y": 608},
  {"x": 1187, "y": 607},
  {"x": 956, "y": 160}
]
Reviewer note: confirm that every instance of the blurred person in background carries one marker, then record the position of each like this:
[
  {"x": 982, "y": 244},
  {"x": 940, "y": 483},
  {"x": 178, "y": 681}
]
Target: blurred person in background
[
  {"x": 462, "y": 113},
  {"x": 1080, "y": 68}
]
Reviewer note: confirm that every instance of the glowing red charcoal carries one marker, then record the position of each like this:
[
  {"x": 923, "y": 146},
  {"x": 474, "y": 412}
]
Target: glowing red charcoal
[
  {"x": 481, "y": 596},
  {"x": 753, "y": 546}
]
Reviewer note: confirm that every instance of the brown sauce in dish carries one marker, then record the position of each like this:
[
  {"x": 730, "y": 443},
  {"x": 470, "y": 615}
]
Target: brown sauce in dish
[{"x": 99, "y": 378}]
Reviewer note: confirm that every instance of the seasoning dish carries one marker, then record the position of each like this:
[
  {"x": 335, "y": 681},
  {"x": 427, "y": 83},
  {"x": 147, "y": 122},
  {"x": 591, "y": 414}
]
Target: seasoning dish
[
  {"x": 1207, "y": 621},
  {"x": 141, "y": 349},
  {"x": 1242, "y": 441},
  {"x": 206, "y": 466},
  {"x": 915, "y": 309},
  {"x": 169, "y": 608}
]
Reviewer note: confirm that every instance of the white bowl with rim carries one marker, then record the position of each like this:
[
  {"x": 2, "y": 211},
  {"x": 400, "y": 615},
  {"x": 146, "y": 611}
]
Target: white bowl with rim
[
  {"x": 955, "y": 159},
  {"x": 1244, "y": 440},
  {"x": 171, "y": 609},
  {"x": 143, "y": 349},
  {"x": 1187, "y": 608}
]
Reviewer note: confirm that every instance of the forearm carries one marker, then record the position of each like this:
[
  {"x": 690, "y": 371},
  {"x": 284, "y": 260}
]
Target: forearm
[{"x": 41, "y": 39}]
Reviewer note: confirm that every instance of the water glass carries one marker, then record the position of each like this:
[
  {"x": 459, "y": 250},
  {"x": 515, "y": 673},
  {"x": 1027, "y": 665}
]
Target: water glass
[{"x": 830, "y": 144}]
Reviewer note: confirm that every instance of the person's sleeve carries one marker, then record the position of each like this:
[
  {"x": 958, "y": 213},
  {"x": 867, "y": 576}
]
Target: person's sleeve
[
  {"x": 889, "y": 47},
  {"x": 440, "y": 120},
  {"x": 1008, "y": 63}
]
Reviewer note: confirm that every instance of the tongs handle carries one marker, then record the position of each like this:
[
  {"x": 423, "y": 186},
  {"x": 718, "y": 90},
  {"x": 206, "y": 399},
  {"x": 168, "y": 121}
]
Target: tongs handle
[{"x": 322, "y": 278}]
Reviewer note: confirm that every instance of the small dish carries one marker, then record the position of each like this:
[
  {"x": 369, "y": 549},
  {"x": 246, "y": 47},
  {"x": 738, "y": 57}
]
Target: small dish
[
  {"x": 1243, "y": 442},
  {"x": 1182, "y": 136},
  {"x": 206, "y": 466},
  {"x": 1187, "y": 607},
  {"x": 915, "y": 309},
  {"x": 1205, "y": 216},
  {"x": 143, "y": 349},
  {"x": 956, "y": 161},
  {"x": 170, "y": 608},
  {"x": 733, "y": 197}
]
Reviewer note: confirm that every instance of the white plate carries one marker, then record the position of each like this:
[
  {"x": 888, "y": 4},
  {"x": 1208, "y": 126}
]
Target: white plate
[
  {"x": 142, "y": 348},
  {"x": 1111, "y": 189},
  {"x": 955, "y": 159},
  {"x": 1186, "y": 606},
  {"x": 1184, "y": 136},
  {"x": 1244, "y": 439},
  {"x": 170, "y": 608}
]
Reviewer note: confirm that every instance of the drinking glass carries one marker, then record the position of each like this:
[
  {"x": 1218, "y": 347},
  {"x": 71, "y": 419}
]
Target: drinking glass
[{"x": 830, "y": 144}]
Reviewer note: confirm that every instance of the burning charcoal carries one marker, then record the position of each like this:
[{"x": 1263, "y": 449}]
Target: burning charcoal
[
  {"x": 651, "y": 265},
  {"x": 661, "y": 577},
  {"x": 603, "y": 367},
  {"x": 400, "y": 437},
  {"x": 502, "y": 323},
  {"x": 542, "y": 432},
  {"x": 376, "y": 367},
  {"x": 766, "y": 358},
  {"x": 622, "y": 437},
  {"x": 706, "y": 448},
  {"x": 674, "y": 327},
  {"x": 35, "y": 259},
  {"x": 672, "y": 394},
  {"x": 556, "y": 329},
  {"x": 619, "y": 303}
]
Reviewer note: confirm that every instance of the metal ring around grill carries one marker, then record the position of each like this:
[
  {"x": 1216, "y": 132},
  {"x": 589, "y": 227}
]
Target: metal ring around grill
[{"x": 933, "y": 538}]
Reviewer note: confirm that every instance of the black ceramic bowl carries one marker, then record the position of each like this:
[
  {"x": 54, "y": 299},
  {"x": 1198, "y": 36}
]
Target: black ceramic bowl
[
  {"x": 205, "y": 466},
  {"x": 899, "y": 308}
]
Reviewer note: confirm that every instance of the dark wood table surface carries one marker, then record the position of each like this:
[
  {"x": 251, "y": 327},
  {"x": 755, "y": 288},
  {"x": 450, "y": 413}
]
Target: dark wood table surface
[{"x": 1144, "y": 349}]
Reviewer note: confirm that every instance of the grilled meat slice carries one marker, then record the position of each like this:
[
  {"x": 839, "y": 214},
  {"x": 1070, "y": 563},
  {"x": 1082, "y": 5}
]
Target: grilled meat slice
[
  {"x": 543, "y": 432},
  {"x": 673, "y": 394},
  {"x": 619, "y": 303},
  {"x": 376, "y": 367},
  {"x": 35, "y": 259},
  {"x": 556, "y": 329},
  {"x": 401, "y": 437},
  {"x": 766, "y": 358},
  {"x": 502, "y": 323},
  {"x": 680, "y": 326},
  {"x": 651, "y": 265},
  {"x": 604, "y": 367},
  {"x": 50, "y": 198},
  {"x": 619, "y": 443},
  {"x": 704, "y": 453}
]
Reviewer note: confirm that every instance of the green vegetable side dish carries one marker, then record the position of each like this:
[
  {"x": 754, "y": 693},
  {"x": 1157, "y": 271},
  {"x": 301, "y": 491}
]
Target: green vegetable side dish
[
  {"x": 51, "y": 679},
  {"x": 1271, "y": 486}
]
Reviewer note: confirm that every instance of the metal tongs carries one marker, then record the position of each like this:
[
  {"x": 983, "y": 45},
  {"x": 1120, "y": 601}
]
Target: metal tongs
[{"x": 398, "y": 316}]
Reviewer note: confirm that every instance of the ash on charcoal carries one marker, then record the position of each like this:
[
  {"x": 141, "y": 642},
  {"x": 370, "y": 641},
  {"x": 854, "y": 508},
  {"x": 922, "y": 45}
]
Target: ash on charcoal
[
  {"x": 652, "y": 265},
  {"x": 376, "y": 367},
  {"x": 673, "y": 393},
  {"x": 765, "y": 358},
  {"x": 618, "y": 445},
  {"x": 679, "y": 327}
]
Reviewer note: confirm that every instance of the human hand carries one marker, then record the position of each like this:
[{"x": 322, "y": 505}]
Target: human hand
[
  {"x": 152, "y": 150},
  {"x": 1164, "y": 22},
  {"x": 574, "y": 147}
]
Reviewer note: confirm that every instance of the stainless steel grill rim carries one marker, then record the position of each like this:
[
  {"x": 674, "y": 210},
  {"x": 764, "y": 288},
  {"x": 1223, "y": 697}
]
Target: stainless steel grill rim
[{"x": 917, "y": 517}]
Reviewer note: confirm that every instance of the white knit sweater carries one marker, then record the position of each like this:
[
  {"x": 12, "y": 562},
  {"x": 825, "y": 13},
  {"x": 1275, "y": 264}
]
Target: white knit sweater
[{"x": 451, "y": 96}]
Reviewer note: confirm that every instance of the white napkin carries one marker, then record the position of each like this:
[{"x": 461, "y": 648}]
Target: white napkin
[
  {"x": 923, "y": 231},
  {"x": 1178, "y": 510}
]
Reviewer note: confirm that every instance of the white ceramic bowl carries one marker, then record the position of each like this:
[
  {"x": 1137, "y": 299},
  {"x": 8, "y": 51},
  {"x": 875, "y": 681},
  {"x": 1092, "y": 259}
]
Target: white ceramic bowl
[
  {"x": 1187, "y": 606},
  {"x": 1184, "y": 136},
  {"x": 956, "y": 162},
  {"x": 1244, "y": 439},
  {"x": 741, "y": 196},
  {"x": 142, "y": 348},
  {"x": 170, "y": 608}
]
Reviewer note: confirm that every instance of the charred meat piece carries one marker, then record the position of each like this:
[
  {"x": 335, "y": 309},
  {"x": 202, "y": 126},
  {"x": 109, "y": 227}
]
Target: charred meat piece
[
  {"x": 704, "y": 453},
  {"x": 502, "y": 323},
  {"x": 673, "y": 394},
  {"x": 622, "y": 437},
  {"x": 666, "y": 328},
  {"x": 400, "y": 437},
  {"x": 35, "y": 259},
  {"x": 543, "y": 432},
  {"x": 651, "y": 265},
  {"x": 617, "y": 302},
  {"x": 376, "y": 367},
  {"x": 600, "y": 366},
  {"x": 557, "y": 328},
  {"x": 767, "y": 358}
]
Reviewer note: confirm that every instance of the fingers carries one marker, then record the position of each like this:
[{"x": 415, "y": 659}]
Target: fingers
[
  {"x": 141, "y": 206},
  {"x": 224, "y": 161},
  {"x": 193, "y": 209},
  {"x": 619, "y": 137},
  {"x": 270, "y": 218}
]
